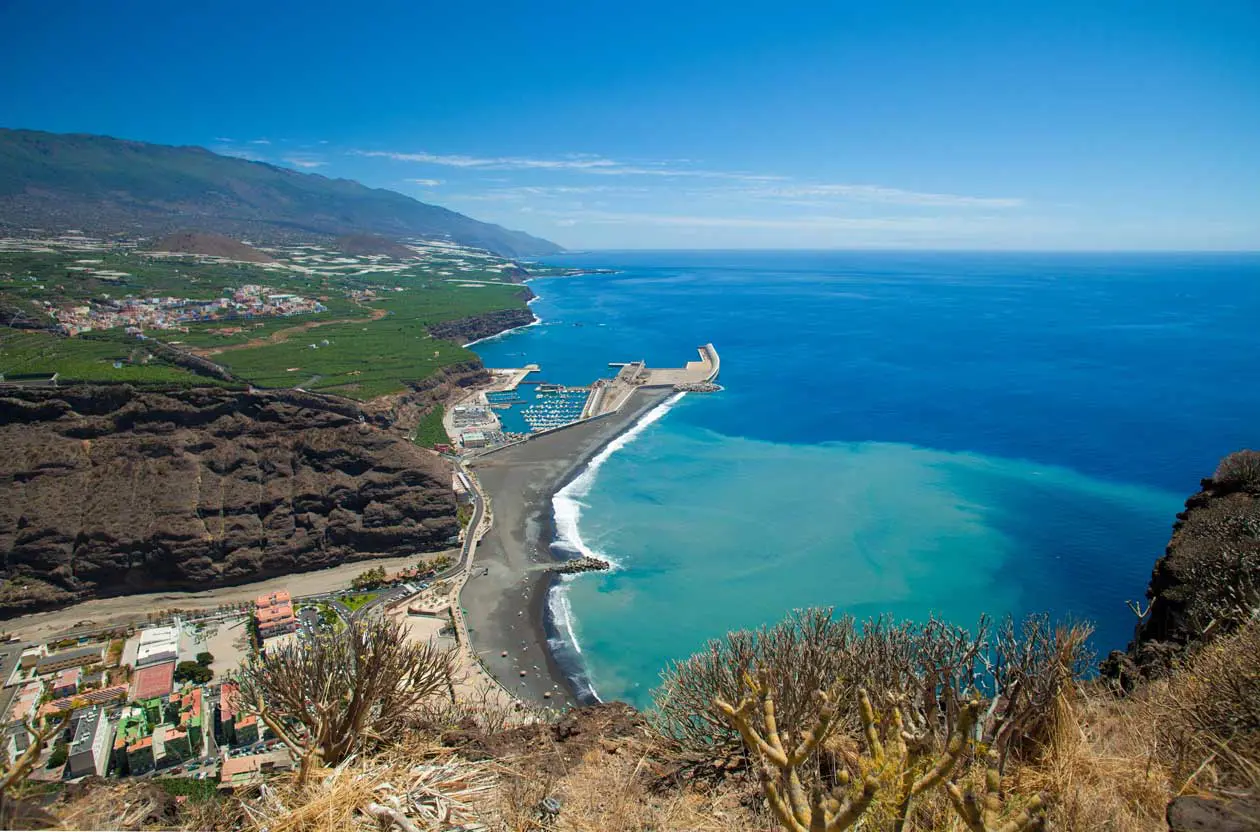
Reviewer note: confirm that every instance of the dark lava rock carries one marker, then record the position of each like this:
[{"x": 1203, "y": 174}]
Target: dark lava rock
[
  {"x": 112, "y": 490},
  {"x": 467, "y": 330},
  {"x": 554, "y": 747},
  {"x": 1213, "y": 555},
  {"x": 1199, "y": 814}
]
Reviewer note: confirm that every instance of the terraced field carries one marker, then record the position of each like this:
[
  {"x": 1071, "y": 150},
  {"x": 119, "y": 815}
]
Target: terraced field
[{"x": 372, "y": 339}]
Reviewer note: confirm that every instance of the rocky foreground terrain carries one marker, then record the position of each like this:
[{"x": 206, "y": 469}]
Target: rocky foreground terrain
[
  {"x": 1209, "y": 577},
  {"x": 110, "y": 490}
]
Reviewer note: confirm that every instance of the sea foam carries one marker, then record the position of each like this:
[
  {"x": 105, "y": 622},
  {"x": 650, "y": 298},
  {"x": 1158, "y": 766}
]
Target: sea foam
[
  {"x": 499, "y": 335},
  {"x": 566, "y": 508}
]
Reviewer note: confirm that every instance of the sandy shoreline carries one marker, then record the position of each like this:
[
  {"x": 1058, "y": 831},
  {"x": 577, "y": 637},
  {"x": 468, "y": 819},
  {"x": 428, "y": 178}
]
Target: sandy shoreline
[{"x": 505, "y": 597}]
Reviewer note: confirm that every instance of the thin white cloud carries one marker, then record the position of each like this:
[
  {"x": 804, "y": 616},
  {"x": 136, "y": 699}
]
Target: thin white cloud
[
  {"x": 881, "y": 194},
  {"x": 222, "y": 139},
  {"x": 240, "y": 153},
  {"x": 495, "y": 163},
  {"x": 305, "y": 163},
  {"x": 582, "y": 163},
  {"x": 920, "y": 224},
  {"x": 428, "y": 183},
  {"x": 754, "y": 186},
  {"x": 260, "y": 141},
  {"x": 525, "y": 192}
]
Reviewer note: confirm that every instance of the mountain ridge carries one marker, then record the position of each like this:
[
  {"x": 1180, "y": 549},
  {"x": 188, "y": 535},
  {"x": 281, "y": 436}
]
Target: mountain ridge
[{"x": 107, "y": 185}]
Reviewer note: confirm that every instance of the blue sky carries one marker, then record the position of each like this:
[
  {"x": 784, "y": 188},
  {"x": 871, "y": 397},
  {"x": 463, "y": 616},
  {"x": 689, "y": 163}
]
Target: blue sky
[{"x": 1047, "y": 125}]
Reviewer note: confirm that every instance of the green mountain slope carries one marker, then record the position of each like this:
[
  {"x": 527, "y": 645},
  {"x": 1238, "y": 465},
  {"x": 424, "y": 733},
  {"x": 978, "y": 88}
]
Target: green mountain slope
[{"x": 103, "y": 185}]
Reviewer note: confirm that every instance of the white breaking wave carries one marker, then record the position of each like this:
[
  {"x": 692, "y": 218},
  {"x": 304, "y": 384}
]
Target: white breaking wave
[
  {"x": 562, "y": 612},
  {"x": 567, "y": 507},
  {"x": 537, "y": 320}
]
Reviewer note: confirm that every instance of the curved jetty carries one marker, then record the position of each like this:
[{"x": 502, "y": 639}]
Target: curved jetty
[{"x": 512, "y": 410}]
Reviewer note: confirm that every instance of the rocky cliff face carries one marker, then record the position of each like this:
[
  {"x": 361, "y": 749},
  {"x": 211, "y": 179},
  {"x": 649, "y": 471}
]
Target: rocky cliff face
[
  {"x": 1208, "y": 580},
  {"x": 108, "y": 490},
  {"x": 402, "y": 412},
  {"x": 471, "y": 329}
]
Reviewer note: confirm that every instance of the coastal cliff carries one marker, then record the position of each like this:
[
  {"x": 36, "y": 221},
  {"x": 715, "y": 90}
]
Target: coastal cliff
[
  {"x": 467, "y": 330},
  {"x": 1209, "y": 576},
  {"x": 402, "y": 412},
  {"x": 110, "y": 490}
]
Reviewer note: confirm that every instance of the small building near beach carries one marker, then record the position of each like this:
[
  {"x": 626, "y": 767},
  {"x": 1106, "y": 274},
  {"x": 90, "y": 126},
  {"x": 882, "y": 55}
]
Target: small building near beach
[
  {"x": 473, "y": 439},
  {"x": 67, "y": 683},
  {"x": 78, "y": 657},
  {"x": 274, "y": 614},
  {"x": 157, "y": 645}
]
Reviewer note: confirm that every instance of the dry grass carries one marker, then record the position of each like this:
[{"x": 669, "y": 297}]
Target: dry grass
[
  {"x": 607, "y": 791},
  {"x": 1115, "y": 763},
  {"x": 1208, "y": 714},
  {"x": 434, "y": 790},
  {"x": 1100, "y": 770},
  {"x": 128, "y": 805}
]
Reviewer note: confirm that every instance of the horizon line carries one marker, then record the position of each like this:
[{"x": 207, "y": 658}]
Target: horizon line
[{"x": 893, "y": 249}]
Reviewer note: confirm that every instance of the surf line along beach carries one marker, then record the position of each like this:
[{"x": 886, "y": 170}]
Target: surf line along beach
[{"x": 512, "y": 627}]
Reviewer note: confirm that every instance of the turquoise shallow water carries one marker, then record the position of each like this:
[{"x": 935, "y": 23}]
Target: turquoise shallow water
[{"x": 912, "y": 434}]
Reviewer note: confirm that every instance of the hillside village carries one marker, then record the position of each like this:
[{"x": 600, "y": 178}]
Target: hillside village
[
  {"x": 136, "y": 315},
  {"x": 160, "y": 700}
]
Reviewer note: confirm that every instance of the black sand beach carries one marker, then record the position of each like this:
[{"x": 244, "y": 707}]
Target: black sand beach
[{"x": 505, "y": 596}]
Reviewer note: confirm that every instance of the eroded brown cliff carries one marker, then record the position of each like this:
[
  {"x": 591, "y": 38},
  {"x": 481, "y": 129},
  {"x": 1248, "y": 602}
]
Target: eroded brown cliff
[
  {"x": 1208, "y": 581},
  {"x": 110, "y": 490},
  {"x": 467, "y": 330}
]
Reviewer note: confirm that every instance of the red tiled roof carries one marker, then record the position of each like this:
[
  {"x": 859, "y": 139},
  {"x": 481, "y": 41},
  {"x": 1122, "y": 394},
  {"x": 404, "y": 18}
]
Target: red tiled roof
[
  {"x": 239, "y": 765},
  {"x": 273, "y": 615},
  {"x": 279, "y": 597},
  {"x": 155, "y": 680}
]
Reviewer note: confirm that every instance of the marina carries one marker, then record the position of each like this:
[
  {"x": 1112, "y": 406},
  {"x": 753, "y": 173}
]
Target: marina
[{"x": 512, "y": 408}]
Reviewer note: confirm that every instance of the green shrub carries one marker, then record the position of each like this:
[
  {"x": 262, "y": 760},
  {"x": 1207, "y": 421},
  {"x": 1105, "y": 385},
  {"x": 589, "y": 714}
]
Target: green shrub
[
  {"x": 197, "y": 791},
  {"x": 430, "y": 431},
  {"x": 58, "y": 757},
  {"x": 193, "y": 672}
]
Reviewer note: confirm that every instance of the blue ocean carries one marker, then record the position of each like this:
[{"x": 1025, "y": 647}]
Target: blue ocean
[{"x": 919, "y": 434}]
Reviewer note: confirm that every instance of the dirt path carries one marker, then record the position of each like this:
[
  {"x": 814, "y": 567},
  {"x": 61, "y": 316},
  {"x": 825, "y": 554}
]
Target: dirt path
[
  {"x": 133, "y": 608},
  {"x": 280, "y": 335}
]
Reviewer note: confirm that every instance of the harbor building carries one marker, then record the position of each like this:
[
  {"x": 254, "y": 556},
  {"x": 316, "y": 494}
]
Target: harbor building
[{"x": 473, "y": 439}]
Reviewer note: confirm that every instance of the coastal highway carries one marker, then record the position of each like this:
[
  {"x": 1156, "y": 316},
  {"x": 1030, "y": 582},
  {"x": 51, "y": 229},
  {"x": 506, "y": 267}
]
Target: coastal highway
[
  {"x": 454, "y": 571},
  {"x": 470, "y": 539}
]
